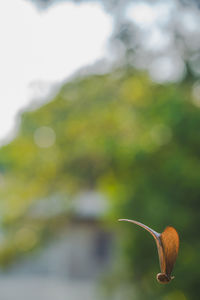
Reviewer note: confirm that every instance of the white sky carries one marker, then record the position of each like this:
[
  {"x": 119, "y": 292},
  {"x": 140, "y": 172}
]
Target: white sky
[
  {"x": 146, "y": 14},
  {"x": 40, "y": 49},
  {"x": 45, "y": 46}
]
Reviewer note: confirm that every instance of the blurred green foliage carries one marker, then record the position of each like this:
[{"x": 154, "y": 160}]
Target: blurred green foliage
[{"x": 135, "y": 141}]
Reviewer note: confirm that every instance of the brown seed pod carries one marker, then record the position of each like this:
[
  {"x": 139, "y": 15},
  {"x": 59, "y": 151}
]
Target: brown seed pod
[{"x": 168, "y": 245}]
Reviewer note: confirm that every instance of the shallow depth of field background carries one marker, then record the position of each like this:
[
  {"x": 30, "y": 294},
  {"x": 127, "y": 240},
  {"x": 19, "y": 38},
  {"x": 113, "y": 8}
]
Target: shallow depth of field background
[{"x": 99, "y": 120}]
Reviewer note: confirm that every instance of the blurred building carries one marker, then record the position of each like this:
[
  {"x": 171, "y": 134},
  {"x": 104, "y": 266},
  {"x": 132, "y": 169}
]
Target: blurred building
[{"x": 71, "y": 265}]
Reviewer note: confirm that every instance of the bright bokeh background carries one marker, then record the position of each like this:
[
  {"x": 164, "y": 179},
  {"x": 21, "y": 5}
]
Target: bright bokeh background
[
  {"x": 99, "y": 120},
  {"x": 40, "y": 49}
]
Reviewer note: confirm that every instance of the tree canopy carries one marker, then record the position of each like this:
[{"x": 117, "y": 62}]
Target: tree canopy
[{"x": 133, "y": 140}]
